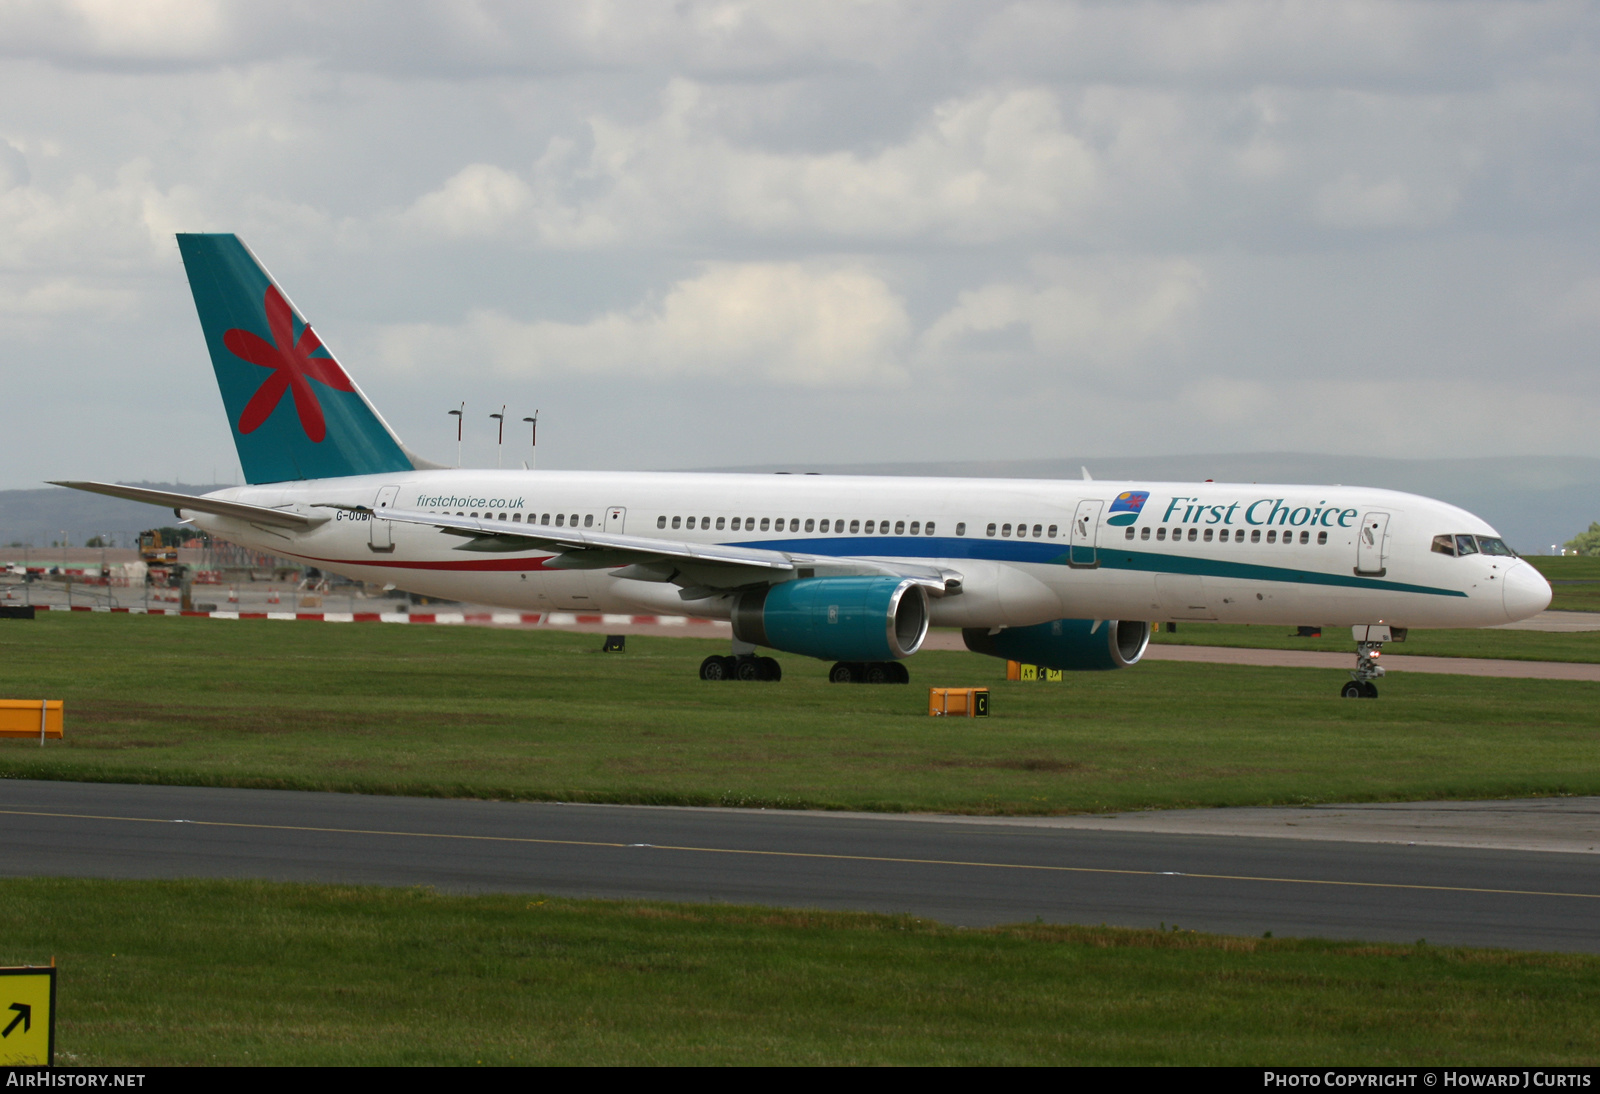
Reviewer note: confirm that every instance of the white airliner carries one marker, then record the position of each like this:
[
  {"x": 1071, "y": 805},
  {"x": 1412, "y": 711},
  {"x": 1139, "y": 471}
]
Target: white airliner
[{"x": 854, "y": 570}]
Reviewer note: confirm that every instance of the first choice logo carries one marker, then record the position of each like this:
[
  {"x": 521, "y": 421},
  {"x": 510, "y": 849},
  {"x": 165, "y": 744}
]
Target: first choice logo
[{"x": 1277, "y": 511}]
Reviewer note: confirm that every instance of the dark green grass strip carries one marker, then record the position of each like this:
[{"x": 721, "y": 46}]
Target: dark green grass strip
[
  {"x": 216, "y": 972},
  {"x": 536, "y": 715}
]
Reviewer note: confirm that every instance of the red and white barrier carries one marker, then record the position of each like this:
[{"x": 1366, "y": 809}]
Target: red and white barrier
[{"x": 502, "y": 619}]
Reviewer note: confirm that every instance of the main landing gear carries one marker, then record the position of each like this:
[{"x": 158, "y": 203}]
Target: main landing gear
[
  {"x": 1367, "y": 670},
  {"x": 746, "y": 667},
  {"x": 869, "y": 672}
]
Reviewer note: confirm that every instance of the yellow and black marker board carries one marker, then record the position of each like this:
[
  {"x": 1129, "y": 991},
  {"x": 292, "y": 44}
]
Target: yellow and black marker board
[{"x": 28, "y": 1016}]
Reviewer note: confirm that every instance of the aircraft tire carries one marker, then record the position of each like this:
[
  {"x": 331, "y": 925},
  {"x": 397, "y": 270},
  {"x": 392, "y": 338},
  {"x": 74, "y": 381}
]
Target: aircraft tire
[
  {"x": 1369, "y": 690},
  {"x": 878, "y": 672},
  {"x": 712, "y": 668},
  {"x": 748, "y": 669},
  {"x": 1353, "y": 690},
  {"x": 770, "y": 670},
  {"x": 844, "y": 672}
]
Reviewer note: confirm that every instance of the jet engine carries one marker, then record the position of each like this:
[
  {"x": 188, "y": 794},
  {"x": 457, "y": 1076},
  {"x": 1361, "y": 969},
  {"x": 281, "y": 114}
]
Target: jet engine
[
  {"x": 1069, "y": 644},
  {"x": 836, "y": 618}
]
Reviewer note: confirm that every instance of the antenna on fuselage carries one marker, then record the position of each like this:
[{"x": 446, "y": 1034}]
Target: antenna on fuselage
[{"x": 1086, "y": 476}]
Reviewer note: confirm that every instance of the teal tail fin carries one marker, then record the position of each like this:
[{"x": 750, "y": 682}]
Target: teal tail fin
[{"x": 294, "y": 412}]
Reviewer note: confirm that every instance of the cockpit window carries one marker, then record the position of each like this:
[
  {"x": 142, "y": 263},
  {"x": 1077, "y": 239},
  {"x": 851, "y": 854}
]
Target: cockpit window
[
  {"x": 1445, "y": 545},
  {"x": 1489, "y": 545},
  {"x": 1465, "y": 546}
]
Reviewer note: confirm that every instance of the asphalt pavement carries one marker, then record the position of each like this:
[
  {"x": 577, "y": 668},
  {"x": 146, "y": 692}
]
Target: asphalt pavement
[{"x": 977, "y": 872}]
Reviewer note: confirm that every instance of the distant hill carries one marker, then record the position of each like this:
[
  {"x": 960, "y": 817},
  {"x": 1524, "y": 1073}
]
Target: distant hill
[
  {"x": 1534, "y": 501},
  {"x": 40, "y": 517}
]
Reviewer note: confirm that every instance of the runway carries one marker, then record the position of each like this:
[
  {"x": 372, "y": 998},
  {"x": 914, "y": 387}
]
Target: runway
[{"x": 969, "y": 872}]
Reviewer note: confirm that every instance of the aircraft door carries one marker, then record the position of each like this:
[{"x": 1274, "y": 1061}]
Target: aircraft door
[
  {"x": 615, "y": 517},
  {"x": 1081, "y": 536},
  {"x": 1372, "y": 545},
  {"x": 380, "y": 536}
]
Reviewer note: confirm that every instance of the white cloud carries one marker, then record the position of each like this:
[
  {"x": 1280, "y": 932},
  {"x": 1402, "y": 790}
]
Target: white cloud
[
  {"x": 82, "y": 223},
  {"x": 994, "y": 165},
  {"x": 1352, "y": 202},
  {"x": 784, "y": 324},
  {"x": 1096, "y": 313}
]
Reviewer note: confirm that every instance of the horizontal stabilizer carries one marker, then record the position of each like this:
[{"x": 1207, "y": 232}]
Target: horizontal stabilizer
[{"x": 255, "y": 514}]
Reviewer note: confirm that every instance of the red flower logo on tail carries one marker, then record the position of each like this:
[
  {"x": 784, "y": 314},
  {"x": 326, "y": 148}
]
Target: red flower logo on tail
[{"x": 291, "y": 363}]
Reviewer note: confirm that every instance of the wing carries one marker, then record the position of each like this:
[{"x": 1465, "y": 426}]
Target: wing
[
  {"x": 700, "y": 568},
  {"x": 179, "y": 503}
]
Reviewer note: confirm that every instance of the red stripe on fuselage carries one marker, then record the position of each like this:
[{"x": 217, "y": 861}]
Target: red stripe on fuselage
[{"x": 480, "y": 565}]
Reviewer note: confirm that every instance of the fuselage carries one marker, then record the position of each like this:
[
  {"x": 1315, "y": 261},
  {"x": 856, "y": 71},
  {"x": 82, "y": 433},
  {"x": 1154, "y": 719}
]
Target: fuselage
[{"x": 1027, "y": 551}]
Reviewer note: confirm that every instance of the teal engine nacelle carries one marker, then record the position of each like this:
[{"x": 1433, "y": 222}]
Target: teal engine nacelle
[
  {"x": 836, "y": 618},
  {"x": 1073, "y": 645}
]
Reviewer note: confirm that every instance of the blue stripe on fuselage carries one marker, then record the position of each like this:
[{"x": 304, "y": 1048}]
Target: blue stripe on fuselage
[{"x": 927, "y": 548}]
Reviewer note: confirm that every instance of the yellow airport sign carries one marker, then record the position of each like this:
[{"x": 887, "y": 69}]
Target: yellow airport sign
[
  {"x": 31, "y": 718},
  {"x": 28, "y": 1016}
]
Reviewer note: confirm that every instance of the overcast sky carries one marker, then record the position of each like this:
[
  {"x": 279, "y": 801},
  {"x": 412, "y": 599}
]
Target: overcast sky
[{"x": 699, "y": 234}]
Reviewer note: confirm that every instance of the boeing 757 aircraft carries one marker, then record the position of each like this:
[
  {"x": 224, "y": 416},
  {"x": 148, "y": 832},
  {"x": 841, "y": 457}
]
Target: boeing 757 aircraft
[{"x": 854, "y": 570}]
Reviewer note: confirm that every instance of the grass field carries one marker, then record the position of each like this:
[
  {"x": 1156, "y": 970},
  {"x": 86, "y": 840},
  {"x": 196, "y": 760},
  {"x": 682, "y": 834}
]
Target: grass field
[
  {"x": 1575, "y": 581},
  {"x": 217, "y": 972},
  {"x": 543, "y": 715},
  {"x": 1579, "y": 646}
]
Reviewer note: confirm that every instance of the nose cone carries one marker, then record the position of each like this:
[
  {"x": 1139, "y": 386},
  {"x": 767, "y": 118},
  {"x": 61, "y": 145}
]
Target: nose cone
[{"x": 1526, "y": 591}]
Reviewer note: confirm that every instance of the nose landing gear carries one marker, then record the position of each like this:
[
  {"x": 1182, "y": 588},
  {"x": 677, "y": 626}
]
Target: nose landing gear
[{"x": 1369, "y": 647}]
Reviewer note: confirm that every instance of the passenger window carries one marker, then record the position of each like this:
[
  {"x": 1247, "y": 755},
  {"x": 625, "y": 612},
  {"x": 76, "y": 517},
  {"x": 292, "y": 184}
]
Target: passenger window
[
  {"x": 1222, "y": 534},
  {"x": 1322, "y": 538},
  {"x": 502, "y": 516},
  {"x": 545, "y": 519},
  {"x": 1037, "y": 531},
  {"x": 561, "y": 520},
  {"x": 1161, "y": 533},
  {"x": 1272, "y": 535},
  {"x": 929, "y": 529},
  {"x": 991, "y": 529},
  {"x": 1022, "y": 531},
  {"x": 720, "y": 522},
  {"x": 794, "y": 524},
  {"x": 1005, "y": 530},
  {"x": 573, "y": 520},
  {"x": 474, "y": 516},
  {"x": 1207, "y": 536},
  {"x": 677, "y": 522},
  {"x": 516, "y": 518},
  {"x": 855, "y": 526},
  {"x": 1128, "y": 534},
  {"x": 822, "y": 526},
  {"x": 916, "y": 527},
  {"x": 961, "y": 528},
  {"x": 1305, "y": 537},
  {"x": 1193, "y": 534},
  {"x": 1255, "y": 535},
  {"x": 1464, "y": 545},
  {"x": 661, "y": 521},
  {"x": 899, "y": 527},
  {"x": 811, "y": 525},
  {"x": 1144, "y": 533},
  {"x": 705, "y": 523},
  {"x": 766, "y": 522},
  {"x": 868, "y": 527},
  {"x": 1052, "y": 532}
]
